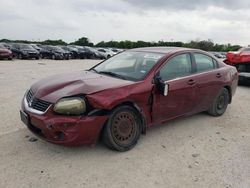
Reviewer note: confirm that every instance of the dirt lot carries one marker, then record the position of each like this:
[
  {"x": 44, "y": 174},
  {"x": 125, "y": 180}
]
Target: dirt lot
[{"x": 199, "y": 151}]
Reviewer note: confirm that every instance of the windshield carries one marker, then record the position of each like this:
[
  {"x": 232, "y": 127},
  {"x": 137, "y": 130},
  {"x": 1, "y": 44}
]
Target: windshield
[
  {"x": 55, "y": 48},
  {"x": 26, "y": 47},
  {"x": 129, "y": 65},
  {"x": 2, "y": 46}
]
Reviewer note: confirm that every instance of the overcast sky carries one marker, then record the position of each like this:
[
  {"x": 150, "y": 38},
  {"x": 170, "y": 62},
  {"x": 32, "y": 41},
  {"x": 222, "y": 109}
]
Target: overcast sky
[{"x": 223, "y": 21}]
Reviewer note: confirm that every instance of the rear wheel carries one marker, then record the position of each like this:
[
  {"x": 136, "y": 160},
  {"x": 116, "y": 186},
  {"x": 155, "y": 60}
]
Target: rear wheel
[
  {"x": 53, "y": 57},
  {"x": 122, "y": 130},
  {"x": 20, "y": 56},
  {"x": 220, "y": 103}
]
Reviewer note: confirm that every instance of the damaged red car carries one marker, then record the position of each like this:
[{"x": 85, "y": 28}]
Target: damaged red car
[{"x": 120, "y": 98}]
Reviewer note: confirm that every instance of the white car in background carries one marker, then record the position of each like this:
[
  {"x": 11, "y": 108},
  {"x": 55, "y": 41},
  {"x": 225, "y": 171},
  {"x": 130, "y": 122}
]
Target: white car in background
[
  {"x": 108, "y": 53},
  {"x": 116, "y": 50}
]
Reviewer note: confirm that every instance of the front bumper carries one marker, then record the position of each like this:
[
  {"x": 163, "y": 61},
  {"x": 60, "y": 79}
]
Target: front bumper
[
  {"x": 59, "y": 56},
  {"x": 31, "y": 55},
  {"x": 5, "y": 55},
  {"x": 64, "y": 130}
]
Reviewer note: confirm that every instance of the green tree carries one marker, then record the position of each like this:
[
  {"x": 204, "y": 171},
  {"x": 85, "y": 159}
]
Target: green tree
[
  {"x": 82, "y": 42},
  {"x": 54, "y": 42}
]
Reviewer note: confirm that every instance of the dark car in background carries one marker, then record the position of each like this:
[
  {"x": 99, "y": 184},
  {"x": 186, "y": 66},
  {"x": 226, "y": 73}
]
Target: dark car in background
[
  {"x": 24, "y": 51},
  {"x": 5, "y": 53},
  {"x": 35, "y": 46},
  {"x": 118, "y": 99},
  {"x": 83, "y": 53},
  {"x": 53, "y": 52},
  {"x": 73, "y": 51}
]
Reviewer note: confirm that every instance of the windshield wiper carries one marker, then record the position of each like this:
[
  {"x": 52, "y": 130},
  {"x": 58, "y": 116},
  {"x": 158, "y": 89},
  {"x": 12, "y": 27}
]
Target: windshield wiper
[
  {"x": 112, "y": 74},
  {"x": 93, "y": 69}
]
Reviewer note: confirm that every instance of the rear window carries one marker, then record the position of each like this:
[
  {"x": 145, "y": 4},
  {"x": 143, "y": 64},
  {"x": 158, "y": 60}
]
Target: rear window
[{"x": 204, "y": 62}]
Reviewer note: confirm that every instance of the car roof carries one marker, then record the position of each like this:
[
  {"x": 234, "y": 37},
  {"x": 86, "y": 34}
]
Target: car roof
[{"x": 163, "y": 50}]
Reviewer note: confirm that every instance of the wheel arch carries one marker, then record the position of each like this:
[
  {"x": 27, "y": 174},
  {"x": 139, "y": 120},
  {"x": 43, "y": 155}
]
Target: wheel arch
[
  {"x": 139, "y": 111},
  {"x": 126, "y": 103}
]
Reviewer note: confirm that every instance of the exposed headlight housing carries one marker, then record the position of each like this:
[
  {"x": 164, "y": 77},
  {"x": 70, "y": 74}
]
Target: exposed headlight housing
[{"x": 70, "y": 106}]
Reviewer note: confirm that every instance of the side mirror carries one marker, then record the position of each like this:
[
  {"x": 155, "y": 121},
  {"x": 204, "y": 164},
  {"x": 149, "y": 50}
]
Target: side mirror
[{"x": 162, "y": 86}]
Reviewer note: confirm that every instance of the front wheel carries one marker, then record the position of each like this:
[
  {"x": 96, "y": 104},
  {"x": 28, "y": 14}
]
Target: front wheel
[
  {"x": 220, "y": 103},
  {"x": 20, "y": 56},
  {"x": 123, "y": 129}
]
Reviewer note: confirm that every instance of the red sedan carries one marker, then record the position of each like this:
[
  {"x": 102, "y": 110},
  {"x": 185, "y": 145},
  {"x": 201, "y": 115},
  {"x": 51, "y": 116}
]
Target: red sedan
[
  {"x": 118, "y": 99},
  {"x": 5, "y": 53}
]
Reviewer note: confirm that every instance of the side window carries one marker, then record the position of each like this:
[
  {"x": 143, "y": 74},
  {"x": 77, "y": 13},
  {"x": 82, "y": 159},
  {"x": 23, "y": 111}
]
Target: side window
[
  {"x": 178, "y": 66},
  {"x": 204, "y": 62}
]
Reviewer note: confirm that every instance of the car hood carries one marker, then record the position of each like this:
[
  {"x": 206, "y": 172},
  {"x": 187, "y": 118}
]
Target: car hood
[{"x": 56, "y": 87}]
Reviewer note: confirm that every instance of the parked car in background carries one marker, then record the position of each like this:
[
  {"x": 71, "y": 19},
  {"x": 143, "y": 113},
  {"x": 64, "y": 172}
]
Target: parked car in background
[
  {"x": 24, "y": 51},
  {"x": 238, "y": 57},
  {"x": 219, "y": 55},
  {"x": 5, "y": 53},
  {"x": 6, "y": 45},
  {"x": 82, "y": 52},
  {"x": 108, "y": 53},
  {"x": 73, "y": 51},
  {"x": 118, "y": 99},
  {"x": 94, "y": 53},
  {"x": 35, "y": 46},
  {"x": 116, "y": 50},
  {"x": 98, "y": 54},
  {"x": 241, "y": 60},
  {"x": 53, "y": 52}
]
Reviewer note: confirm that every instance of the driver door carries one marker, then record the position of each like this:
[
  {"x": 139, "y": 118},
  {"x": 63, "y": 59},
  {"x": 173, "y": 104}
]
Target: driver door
[{"x": 182, "y": 89}]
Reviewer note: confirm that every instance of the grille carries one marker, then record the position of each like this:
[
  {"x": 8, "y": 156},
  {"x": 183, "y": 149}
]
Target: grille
[{"x": 36, "y": 103}]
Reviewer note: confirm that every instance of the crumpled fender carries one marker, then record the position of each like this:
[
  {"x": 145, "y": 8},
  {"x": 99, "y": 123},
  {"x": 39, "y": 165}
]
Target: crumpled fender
[{"x": 108, "y": 99}]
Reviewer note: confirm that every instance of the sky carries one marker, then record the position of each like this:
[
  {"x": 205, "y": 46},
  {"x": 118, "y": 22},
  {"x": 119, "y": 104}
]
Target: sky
[{"x": 223, "y": 21}]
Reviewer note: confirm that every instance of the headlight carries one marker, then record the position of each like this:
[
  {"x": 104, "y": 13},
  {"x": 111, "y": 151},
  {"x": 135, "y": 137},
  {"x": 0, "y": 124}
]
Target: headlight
[{"x": 70, "y": 106}]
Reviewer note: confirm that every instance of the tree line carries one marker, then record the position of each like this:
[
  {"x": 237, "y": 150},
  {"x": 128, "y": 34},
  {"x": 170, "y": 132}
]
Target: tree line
[{"x": 207, "y": 45}]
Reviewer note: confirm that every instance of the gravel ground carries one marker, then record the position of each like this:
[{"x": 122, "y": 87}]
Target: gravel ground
[{"x": 198, "y": 151}]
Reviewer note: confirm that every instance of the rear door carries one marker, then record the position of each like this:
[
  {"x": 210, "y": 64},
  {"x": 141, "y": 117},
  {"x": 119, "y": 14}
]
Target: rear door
[
  {"x": 178, "y": 74},
  {"x": 209, "y": 80}
]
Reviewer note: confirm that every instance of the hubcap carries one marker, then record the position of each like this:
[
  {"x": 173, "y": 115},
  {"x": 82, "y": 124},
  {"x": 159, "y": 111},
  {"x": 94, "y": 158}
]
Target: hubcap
[
  {"x": 124, "y": 128},
  {"x": 221, "y": 102}
]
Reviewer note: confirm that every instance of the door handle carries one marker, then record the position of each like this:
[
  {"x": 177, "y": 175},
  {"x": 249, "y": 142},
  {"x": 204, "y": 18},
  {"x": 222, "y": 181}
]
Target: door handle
[
  {"x": 191, "y": 82},
  {"x": 218, "y": 75}
]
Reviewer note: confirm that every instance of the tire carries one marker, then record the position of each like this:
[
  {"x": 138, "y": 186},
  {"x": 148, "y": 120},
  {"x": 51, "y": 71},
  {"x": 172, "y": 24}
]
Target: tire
[
  {"x": 109, "y": 56},
  {"x": 123, "y": 129},
  {"x": 19, "y": 56},
  {"x": 220, "y": 103},
  {"x": 53, "y": 57}
]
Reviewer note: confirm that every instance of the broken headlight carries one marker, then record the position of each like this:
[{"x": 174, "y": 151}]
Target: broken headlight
[{"x": 70, "y": 106}]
